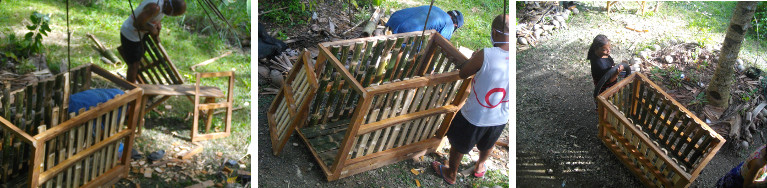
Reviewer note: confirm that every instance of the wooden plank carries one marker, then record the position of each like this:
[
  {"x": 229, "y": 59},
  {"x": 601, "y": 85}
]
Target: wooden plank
[{"x": 181, "y": 90}]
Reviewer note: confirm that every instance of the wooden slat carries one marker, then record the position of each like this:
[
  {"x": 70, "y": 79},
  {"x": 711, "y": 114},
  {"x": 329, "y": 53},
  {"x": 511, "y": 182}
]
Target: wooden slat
[
  {"x": 181, "y": 90},
  {"x": 415, "y": 83},
  {"x": 48, "y": 174}
]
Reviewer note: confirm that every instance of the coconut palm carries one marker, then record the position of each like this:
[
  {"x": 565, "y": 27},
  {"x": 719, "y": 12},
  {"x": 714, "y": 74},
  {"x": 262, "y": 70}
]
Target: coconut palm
[{"x": 718, "y": 91}]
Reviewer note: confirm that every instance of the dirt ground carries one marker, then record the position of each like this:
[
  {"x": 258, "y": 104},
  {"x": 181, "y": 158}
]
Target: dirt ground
[
  {"x": 557, "y": 144},
  {"x": 296, "y": 167}
]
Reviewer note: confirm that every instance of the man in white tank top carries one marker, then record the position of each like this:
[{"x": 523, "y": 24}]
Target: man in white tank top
[
  {"x": 143, "y": 20},
  {"x": 485, "y": 114}
]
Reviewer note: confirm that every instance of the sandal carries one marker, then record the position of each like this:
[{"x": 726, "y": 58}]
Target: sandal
[
  {"x": 438, "y": 168},
  {"x": 479, "y": 174}
]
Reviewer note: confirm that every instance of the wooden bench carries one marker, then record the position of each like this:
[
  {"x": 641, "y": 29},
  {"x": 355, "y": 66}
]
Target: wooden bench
[{"x": 158, "y": 76}]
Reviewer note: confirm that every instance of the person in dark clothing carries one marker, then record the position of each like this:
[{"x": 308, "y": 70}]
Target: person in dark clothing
[
  {"x": 601, "y": 61},
  {"x": 413, "y": 19}
]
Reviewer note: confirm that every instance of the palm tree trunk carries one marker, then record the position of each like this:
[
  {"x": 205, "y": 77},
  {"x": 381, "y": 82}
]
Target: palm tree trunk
[{"x": 718, "y": 91}]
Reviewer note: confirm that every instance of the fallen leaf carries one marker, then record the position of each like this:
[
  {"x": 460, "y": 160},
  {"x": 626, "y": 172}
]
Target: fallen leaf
[
  {"x": 158, "y": 169},
  {"x": 414, "y": 171},
  {"x": 219, "y": 154}
]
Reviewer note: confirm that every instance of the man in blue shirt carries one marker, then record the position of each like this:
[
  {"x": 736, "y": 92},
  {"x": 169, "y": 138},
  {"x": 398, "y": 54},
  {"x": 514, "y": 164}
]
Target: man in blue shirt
[{"x": 413, "y": 19}]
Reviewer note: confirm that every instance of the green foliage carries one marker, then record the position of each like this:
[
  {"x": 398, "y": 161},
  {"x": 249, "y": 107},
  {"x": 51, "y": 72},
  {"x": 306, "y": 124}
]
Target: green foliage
[
  {"x": 294, "y": 12},
  {"x": 25, "y": 67},
  {"x": 367, "y": 3},
  {"x": 699, "y": 99},
  {"x": 760, "y": 20},
  {"x": 33, "y": 40},
  {"x": 32, "y": 43}
]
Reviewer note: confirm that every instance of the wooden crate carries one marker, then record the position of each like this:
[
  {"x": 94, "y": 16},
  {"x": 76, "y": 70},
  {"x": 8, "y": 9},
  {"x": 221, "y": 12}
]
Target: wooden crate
[
  {"x": 372, "y": 101},
  {"x": 658, "y": 139},
  {"x": 43, "y": 146}
]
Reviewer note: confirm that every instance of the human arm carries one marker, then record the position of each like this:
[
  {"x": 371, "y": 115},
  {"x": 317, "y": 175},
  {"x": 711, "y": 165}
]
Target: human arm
[
  {"x": 141, "y": 21},
  {"x": 473, "y": 65},
  {"x": 615, "y": 77},
  {"x": 754, "y": 166}
]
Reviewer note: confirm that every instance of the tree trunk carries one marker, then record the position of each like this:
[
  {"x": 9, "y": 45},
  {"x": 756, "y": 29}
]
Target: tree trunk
[{"x": 718, "y": 91}]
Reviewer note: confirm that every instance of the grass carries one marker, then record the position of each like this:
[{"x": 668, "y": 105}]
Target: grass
[
  {"x": 475, "y": 32},
  {"x": 188, "y": 39}
]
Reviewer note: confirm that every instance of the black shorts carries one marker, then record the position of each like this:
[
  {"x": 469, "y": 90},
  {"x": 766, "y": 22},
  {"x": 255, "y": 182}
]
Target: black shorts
[
  {"x": 463, "y": 135},
  {"x": 133, "y": 50}
]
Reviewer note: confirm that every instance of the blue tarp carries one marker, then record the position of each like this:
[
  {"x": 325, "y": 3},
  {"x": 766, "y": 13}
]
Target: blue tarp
[
  {"x": 412, "y": 19},
  {"x": 90, "y": 98}
]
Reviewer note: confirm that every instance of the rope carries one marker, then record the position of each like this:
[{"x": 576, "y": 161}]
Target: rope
[
  {"x": 427, "y": 17},
  {"x": 133, "y": 14},
  {"x": 69, "y": 35}
]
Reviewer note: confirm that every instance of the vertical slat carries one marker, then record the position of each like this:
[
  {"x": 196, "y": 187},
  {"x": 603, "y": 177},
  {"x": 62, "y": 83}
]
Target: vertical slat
[
  {"x": 419, "y": 124},
  {"x": 81, "y": 134},
  {"x": 71, "y": 146}
]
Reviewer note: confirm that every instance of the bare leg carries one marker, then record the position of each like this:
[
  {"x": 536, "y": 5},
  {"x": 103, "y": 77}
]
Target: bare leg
[
  {"x": 483, "y": 155},
  {"x": 454, "y": 161},
  {"x": 132, "y": 73}
]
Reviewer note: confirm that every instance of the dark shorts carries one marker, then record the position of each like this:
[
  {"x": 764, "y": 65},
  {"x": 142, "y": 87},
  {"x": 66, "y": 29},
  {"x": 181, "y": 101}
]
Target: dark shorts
[
  {"x": 732, "y": 178},
  {"x": 133, "y": 50},
  {"x": 463, "y": 135}
]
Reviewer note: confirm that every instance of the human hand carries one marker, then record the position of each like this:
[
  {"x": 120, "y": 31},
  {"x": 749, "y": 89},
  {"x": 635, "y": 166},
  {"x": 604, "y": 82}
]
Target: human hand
[{"x": 158, "y": 26}]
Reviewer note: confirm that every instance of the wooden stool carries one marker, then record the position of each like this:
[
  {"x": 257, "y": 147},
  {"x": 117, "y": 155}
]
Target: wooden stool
[{"x": 209, "y": 104}]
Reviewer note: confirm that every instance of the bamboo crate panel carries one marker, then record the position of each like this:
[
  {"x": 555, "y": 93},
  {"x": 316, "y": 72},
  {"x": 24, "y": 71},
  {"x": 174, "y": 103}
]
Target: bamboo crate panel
[
  {"x": 289, "y": 108},
  {"x": 379, "y": 100},
  {"x": 658, "y": 139},
  {"x": 156, "y": 68},
  {"x": 60, "y": 149}
]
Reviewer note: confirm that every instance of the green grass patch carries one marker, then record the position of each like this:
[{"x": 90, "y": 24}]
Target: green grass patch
[{"x": 475, "y": 32}]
